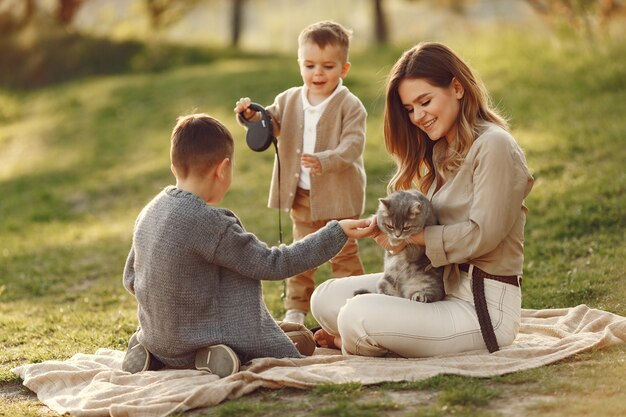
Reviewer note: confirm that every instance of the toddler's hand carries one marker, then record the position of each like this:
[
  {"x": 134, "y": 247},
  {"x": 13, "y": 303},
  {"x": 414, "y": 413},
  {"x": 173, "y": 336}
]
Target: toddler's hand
[
  {"x": 358, "y": 228},
  {"x": 243, "y": 106},
  {"x": 312, "y": 162}
]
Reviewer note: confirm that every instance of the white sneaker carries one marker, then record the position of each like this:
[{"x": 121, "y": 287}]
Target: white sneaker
[{"x": 295, "y": 316}]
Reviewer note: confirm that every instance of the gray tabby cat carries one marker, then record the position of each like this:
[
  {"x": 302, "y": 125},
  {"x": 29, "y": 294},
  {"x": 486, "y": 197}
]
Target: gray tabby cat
[{"x": 408, "y": 273}]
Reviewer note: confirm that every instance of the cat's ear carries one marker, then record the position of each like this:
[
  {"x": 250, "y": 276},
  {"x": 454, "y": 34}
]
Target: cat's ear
[
  {"x": 416, "y": 208},
  {"x": 383, "y": 207}
]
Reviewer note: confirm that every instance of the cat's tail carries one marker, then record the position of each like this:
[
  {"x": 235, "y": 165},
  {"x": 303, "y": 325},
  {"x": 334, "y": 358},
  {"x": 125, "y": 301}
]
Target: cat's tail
[{"x": 361, "y": 291}]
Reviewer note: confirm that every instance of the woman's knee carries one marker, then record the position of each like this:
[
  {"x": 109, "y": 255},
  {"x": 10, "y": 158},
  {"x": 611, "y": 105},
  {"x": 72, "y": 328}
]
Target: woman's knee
[
  {"x": 332, "y": 294},
  {"x": 355, "y": 308},
  {"x": 319, "y": 297},
  {"x": 353, "y": 322},
  {"x": 324, "y": 307}
]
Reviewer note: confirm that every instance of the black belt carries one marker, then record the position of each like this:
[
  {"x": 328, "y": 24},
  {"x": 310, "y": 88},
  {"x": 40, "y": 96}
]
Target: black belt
[{"x": 480, "y": 303}]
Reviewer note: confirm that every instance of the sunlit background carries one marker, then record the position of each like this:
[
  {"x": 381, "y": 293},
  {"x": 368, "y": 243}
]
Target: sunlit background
[
  {"x": 274, "y": 24},
  {"x": 90, "y": 90}
]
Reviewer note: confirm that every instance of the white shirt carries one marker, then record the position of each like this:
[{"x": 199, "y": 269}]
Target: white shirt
[{"x": 312, "y": 115}]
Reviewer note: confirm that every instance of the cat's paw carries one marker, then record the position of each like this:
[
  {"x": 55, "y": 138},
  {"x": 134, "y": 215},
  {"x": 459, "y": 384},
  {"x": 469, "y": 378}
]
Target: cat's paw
[{"x": 421, "y": 297}]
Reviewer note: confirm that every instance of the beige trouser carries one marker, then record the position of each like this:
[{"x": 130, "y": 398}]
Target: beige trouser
[
  {"x": 378, "y": 324},
  {"x": 345, "y": 263}
]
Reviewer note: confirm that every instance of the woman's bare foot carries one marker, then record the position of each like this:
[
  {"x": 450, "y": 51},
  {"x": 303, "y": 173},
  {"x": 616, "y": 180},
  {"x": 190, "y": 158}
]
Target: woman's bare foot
[{"x": 327, "y": 340}]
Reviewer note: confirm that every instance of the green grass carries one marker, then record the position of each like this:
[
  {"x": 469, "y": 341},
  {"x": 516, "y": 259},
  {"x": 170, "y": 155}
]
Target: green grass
[{"x": 79, "y": 160}]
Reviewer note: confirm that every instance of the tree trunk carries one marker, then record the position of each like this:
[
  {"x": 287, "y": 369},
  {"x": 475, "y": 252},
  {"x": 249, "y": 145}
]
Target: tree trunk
[
  {"x": 11, "y": 21},
  {"x": 236, "y": 23},
  {"x": 380, "y": 23},
  {"x": 66, "y": 10}
]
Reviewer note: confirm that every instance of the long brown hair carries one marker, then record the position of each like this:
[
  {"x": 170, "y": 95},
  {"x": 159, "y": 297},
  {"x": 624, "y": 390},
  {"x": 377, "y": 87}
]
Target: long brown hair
[{"x": 410, "y": 147}]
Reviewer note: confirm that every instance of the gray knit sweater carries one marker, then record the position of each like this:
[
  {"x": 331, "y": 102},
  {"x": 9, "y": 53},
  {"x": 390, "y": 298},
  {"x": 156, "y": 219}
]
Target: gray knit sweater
[{"x": 196, "y": 275}]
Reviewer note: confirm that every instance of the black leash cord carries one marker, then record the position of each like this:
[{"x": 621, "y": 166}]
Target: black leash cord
[
  {"x": 259, "y": 137},
  {"x": 280, "y": 223}
]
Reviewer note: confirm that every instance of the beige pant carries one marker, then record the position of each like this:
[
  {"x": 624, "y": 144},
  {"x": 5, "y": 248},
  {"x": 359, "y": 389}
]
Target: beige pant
[
  {"x": 377, "y": 324},
  {"x": 346, "y": 263}
]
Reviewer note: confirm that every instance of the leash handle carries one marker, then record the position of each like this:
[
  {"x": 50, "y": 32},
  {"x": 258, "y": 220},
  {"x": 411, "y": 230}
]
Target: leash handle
[{"x": 260, "y": 134}]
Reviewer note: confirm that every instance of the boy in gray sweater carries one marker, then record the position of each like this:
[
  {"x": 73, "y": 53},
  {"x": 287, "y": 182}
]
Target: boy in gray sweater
[{"x": 196, "y": 273}]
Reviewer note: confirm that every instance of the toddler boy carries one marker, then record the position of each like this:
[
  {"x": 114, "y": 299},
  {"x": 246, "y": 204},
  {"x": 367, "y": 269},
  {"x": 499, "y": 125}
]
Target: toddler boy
[{"x": 321, "y": 128}]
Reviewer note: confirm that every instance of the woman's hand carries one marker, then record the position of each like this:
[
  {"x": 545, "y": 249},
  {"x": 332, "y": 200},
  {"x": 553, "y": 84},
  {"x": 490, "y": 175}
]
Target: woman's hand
[
  {"x": 382, "y": 239},
  {"x": 358, "y": 228},
  {"x": 418, "y": 238}
]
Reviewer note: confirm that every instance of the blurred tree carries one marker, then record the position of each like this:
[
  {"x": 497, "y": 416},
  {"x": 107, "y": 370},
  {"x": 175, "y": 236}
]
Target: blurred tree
[
  {"x": 611, "y": 9},
  {"x": 380, "y": 23},
  {"x": 579, "y": 15},
  {"x": 456, "y": 6},
  {"x": 381, "y": 32},
  {"x": 163, "y": 13},
  {"x": 15, "y": 15},
  {"x": 66, "y": 10},
  {"x": 236, "y": 23}
]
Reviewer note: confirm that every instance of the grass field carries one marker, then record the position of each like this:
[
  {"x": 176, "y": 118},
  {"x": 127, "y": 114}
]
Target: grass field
[{"x": 79, "y": 160}]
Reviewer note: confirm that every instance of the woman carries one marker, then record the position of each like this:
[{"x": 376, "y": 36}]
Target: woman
[{"x": 449, "y": 142}]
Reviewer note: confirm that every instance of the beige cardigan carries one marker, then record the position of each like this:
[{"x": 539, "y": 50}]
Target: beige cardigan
[
  {"x": 339, "y": 192},
  {"x": 481, "y": 210}
]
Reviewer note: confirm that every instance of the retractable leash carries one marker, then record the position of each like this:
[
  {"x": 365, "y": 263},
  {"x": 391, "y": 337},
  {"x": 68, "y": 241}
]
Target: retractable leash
[{"x": 259, "y": 137}]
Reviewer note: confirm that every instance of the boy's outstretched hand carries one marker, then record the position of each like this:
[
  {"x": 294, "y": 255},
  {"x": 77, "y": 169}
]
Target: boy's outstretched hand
[{"x": 358, "y": 228}]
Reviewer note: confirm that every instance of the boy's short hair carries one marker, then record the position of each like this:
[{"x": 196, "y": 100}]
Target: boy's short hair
[
  {"x": 199, "y": 142},
  {"x": 325, "y": 33}
]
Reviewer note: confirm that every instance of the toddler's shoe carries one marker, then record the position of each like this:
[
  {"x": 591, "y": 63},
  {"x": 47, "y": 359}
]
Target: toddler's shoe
[
  {"x": 300, "y": 336},
  {"x": 295, "y": 316},
  {"x": 219, "y": 360},
  {"x": 137, "y": 358}
]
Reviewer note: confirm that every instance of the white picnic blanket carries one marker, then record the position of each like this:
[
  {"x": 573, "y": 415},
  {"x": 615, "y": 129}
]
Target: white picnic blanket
[{"x": 93, "y": 385}]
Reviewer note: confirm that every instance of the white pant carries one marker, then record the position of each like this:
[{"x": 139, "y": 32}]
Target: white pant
[{"x": 377, "y": 324}]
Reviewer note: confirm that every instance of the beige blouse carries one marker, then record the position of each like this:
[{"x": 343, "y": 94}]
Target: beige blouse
[{"x": 481, "y": 211}]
